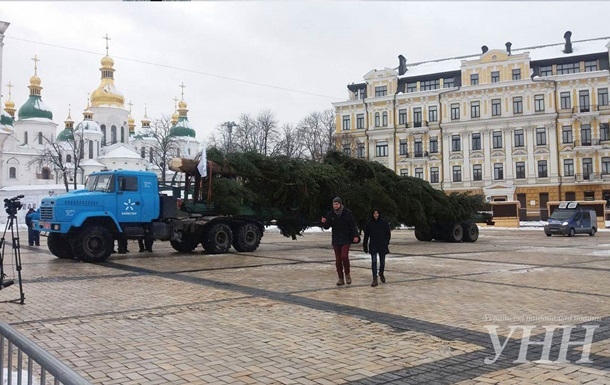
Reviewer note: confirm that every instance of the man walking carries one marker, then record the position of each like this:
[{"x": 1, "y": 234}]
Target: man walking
[{"x": 377, "y": 236}]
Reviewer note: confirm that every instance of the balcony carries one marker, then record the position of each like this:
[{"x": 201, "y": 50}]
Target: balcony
[
  {"x": 588, "y": 177},
  {"x": 585, "y": 113},
  {"x": 587, "y": 143}
]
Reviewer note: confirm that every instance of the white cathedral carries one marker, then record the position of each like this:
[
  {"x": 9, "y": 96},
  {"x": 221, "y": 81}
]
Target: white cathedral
[{"x": 106, "y": 129}]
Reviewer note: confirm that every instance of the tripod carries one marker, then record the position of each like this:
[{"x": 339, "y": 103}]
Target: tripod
[{"x": 4, "y": 282}]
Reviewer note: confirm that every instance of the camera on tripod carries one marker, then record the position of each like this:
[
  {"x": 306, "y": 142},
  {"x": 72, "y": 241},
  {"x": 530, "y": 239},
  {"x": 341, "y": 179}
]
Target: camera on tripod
[{"x": 13, "y": 204}]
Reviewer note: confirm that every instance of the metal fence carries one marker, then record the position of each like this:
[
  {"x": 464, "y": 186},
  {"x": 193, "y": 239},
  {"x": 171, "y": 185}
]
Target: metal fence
[{"x": 23, "y": 362}]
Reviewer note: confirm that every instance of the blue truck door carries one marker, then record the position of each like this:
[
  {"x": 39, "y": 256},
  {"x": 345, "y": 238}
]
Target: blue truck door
[{"x": 129, "y": 202}]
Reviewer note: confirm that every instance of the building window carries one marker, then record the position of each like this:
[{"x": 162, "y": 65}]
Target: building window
[
  {"x": 602, "y": 96},
  {"x": 476, "y": 141},
  {"x": 519, "y": 138},
  {"x": 455, "y": 111},
  {"x": 520, "y": 170},
  {"x": 46, "y": 173},
  {"x": 417, "y": 117},
  {"x": 498, "y": 171},
  {"x": 539, "y": 103},
  {"x": 474, "y": 79},
  {"x": 457, "y": 173},
  {"x": 495, "y": 76},
  {"x": 475, "y": 110},
  {"x": 90, "y": 149},
  {"x": 381, "y": 91},
  {"x": 542, "y": 169},
  {"x": 402, "y": 116},
  {"x": 404, "y": 172},
  {"x": 403, "y": 147},
  {"x": 477, "y": 172},
  {"x": 430, "y": 85},
  {"x": 143, "y": 152},
  {"x": 497, "y": 139},
  {"x": 568, "y": 167},
  {"x": 496, "y": 107},
  {"x": 347, "y": 150},
  {"x": 418, "y": 148},
  {"x": 585, "y": 134},
  {"x": 25, "y": 137},
  {"x": 122, "y": 134},
  {"x": 377, "y": 119},
  {"x": 113, "y": 134},
  {"x": 540, "y": 136},
  {"x": 346, "y": 122},
  {"x": 456, "y": 143},
  {"x": 570, "y": 68},
  {"x": 566, "y": 102},
  {"x": 103, "y": 128},
  {"x": 381, "y": 149},
  {"x": 432, "y": 113},
  {"x": 434, "y": 145},
  {"x": 12, "y": 173},
  {"x": 517, "y": 105},
  {"x": 448, "y": 82},
  {"x": 384, "y": 118},
  {"x": 360, "y": 153},
  {"x": 605, "y": 165},
  {"x": 151, "y": 154},
  {"x": 419, "y": 173},
  {"x": 360, "y": 121},
  {"x": 411, "y": 87},
  {"x": 546, "y": 71},
  {"x": 360, "y": 94},
  {"x": 587, "y": 168},
  {"x": 68, "y": 158},
  {"x": 40, "y": 138},
  {"x": 604, "y": 131},
  {"x": 583, "y": 101},
  {"x": 566, "y": 135},
  {"x": 590, "y": 65},
  {"x": 434, "y": 175},
  {"x": 517, "y": 74}
]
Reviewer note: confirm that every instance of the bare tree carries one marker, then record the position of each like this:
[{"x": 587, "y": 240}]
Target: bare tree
[
  {"x": 165, "y": 146},
  {"x": 291, "y": 143},
  {"x": 63, "y": 156},
  {"x": 222, "y": 139},
  {"x": 266, "y": 126},
  {"x": 318, "y": 133},
  {"x": 347, "y": 143}
]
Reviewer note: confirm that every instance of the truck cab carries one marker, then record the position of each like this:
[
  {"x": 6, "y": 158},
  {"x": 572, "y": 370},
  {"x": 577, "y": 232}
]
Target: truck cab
[{"x": 571, "y": 218}]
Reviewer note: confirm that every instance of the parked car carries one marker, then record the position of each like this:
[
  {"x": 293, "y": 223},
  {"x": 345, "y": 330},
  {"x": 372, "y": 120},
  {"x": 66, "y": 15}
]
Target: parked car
[{"x": 570, "y": 218}]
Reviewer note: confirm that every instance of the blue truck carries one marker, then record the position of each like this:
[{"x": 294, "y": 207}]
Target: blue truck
[{"x": 123, "y": 204}]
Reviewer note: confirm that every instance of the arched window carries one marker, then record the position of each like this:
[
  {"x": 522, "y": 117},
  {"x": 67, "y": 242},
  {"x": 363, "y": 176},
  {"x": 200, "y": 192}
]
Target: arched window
[
  {"x": 143, "y": 152},
  {"x": 122, "y": 134},
  {"x": 150, "y": 155},
  {"x": 25, "y": 137},
  {"x": 12, "y": 173},
  {"x": 103, "y": 128},
  {"x": 178, "y": 152},
  {"x": 46, "y": 173},
  {"x": 90, "y": 150},
  {"x": 68, "y": 158},
  {"x": 40, "y": 138},
  {"x": 81, "y": 149},
  {"x": 385, "y": 119},
  {"x": 113, "y": 135},
  {"x": 377, "y": 122}
]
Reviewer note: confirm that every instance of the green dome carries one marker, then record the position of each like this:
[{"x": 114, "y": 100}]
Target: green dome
[
  {"x": 65, "y": 135},
  {"x": 34, "y": 108},
  {"x": 182, "y": 128},
  {"x": 5, "y": 119}
]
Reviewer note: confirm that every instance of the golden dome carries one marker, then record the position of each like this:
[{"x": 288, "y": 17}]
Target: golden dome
[
  {"x": 107, "y": 95},
  {"x": 35, "y": 81},
  {"x": 107, "y": 61},
  {"x": 182, "y": 104},
  {"x": 9, "y": 104},
  {"x": 130, "y": 119}
]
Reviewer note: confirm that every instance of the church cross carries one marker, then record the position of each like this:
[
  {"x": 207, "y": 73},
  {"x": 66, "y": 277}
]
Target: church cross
[
  {"x": 36, "y": 60},
  {"x": 107, "y": 39}
]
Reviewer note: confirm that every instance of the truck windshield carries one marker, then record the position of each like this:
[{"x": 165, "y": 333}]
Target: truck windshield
[
  {"x": 103, "y": 183},
  {"x": 562, "y": 215}
]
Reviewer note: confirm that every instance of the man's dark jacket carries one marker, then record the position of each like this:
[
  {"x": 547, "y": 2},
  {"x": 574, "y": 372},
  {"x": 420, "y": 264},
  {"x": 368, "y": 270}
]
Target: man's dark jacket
[
  {"x": 377, "y": 236},
  {"x": 344, "y": 227}
]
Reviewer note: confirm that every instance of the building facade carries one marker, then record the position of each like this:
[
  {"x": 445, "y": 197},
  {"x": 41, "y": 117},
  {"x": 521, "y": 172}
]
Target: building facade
[{"x": 529, "y": 125}]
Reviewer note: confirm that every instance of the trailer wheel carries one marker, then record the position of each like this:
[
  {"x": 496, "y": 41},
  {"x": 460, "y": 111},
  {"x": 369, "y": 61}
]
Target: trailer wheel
[
  {"x": 455, "y": 233},
  {"x": 571, "y": 232},
  {"x": 59, "y": 246},
  {"x": 217, "y": 239},
  {"x": 93, "y": 244},
  {"x": 471, "y": 232},
  {"x": 186, "y": 245},
  {"x": 592, "y": 233},
  {"x": 422, "y": 235},
  {"x": 247, "y": 237}
]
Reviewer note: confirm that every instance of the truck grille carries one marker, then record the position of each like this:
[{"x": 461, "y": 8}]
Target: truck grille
[{"x": 46, "y": 213}]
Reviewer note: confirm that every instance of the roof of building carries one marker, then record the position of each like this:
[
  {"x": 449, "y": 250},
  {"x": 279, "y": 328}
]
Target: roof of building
[{"x": 34, "y": 108}]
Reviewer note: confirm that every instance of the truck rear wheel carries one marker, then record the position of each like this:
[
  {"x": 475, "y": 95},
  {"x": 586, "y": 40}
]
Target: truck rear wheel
[
  {"x": 247, "y": 237},
  {"x": 93, "y": 244},
  {"x": 59, "y": 246},
  {"x": 422, "y": 235},
  {"x": 471, "y": 232},
  {"x": 455, "y": 233},
  {"x": 217, "y": 239},
  {"x": 186, "y": 245}
]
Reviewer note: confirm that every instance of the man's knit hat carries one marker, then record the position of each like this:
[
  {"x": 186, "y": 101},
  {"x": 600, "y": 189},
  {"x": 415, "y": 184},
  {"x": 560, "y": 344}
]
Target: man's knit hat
[{"x": 338, "y": 200}]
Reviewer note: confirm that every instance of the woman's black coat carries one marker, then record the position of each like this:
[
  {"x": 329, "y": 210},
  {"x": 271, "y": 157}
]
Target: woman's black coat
[{"x": 377, "y": 236}]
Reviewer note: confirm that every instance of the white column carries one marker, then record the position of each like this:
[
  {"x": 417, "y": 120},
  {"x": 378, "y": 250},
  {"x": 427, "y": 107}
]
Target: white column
[
  {"x": 447, "y": 172},
  {"x": 553, "y": 172},
  {"x": 530, "y": 140},
  {"x": 508, "y": 164},
  {"x": 466, "y": 171},
  {"x": 487, "y": 165}
]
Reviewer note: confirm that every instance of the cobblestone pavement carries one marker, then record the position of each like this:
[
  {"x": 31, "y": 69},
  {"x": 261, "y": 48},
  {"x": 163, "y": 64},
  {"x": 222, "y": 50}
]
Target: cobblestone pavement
[{"x": 275, "y": 316}]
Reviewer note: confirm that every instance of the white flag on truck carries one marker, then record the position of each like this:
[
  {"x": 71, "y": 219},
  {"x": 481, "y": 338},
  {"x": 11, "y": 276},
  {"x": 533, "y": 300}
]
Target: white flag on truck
[{"x": 202, "y": 166}]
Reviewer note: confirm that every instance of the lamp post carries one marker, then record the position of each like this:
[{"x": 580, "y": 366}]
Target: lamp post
[{"x": 230, "y": 126}]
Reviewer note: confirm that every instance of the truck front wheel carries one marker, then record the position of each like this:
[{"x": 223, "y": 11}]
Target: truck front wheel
[
  {"x": 93, "y": 244},
  {"x": 247, "y": 237},
  {"x": 59, "y": 247},
  {"x": 422, "y": 235},
  {"x": 185, "y": 245},
  {"x": 217, "y": 239}
]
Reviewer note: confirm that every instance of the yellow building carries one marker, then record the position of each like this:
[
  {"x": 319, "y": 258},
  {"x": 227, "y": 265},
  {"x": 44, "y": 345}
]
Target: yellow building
[{"x": 529, "y": 124}]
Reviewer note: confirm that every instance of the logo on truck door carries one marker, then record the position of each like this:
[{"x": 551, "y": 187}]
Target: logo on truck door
[{"x": 129, "y": 208}]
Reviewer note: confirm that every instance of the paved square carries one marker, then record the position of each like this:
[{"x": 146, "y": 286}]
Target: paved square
[{"x": 275, "y": 316}]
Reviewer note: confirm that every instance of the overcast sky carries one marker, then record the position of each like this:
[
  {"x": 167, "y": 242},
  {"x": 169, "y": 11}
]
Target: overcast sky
[{"x": 291, "y": 57}]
